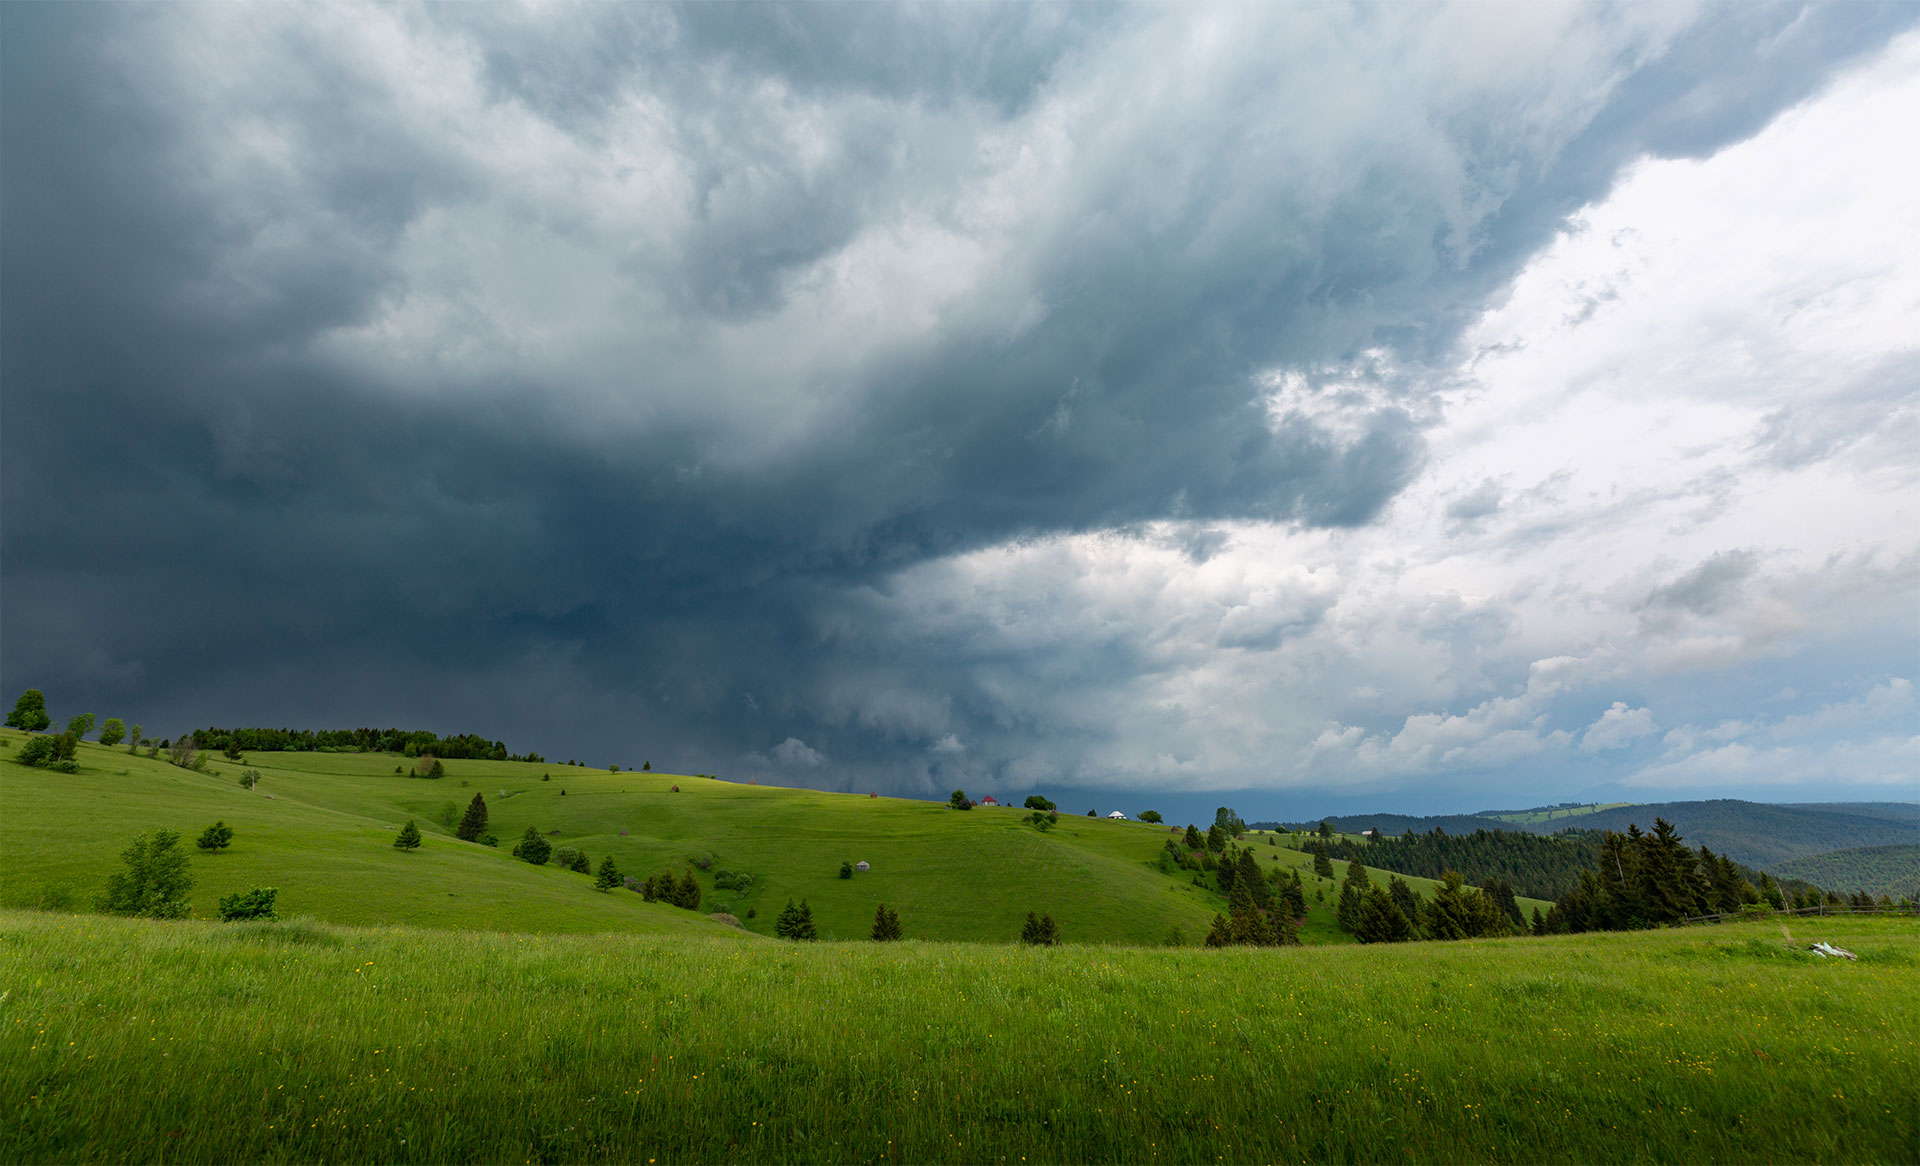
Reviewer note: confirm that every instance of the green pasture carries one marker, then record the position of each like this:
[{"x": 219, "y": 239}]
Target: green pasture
[
  {"x": 1530, "y": 817},
  {"x": 320, "y": 825},
  {"x": 127, "y": 1040}
]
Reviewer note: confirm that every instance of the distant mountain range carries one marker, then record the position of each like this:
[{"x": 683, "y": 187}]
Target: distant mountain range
[{"x": 1758, "y": 834}]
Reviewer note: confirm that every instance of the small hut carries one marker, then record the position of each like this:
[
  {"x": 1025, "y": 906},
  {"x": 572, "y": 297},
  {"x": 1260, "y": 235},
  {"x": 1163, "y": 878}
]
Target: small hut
[{"x": 861, "y": 866}]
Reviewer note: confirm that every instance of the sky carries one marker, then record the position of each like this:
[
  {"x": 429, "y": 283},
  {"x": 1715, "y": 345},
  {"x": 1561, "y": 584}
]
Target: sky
[{"x": 1308, "y": 408}]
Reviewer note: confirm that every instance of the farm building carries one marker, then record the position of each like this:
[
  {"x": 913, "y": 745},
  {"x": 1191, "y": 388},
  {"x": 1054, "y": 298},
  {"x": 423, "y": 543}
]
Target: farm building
[
  {"x": 861, "y": 865},
  {"x": 1117, "y": 816},
  {"x": 987, "y": 801}
]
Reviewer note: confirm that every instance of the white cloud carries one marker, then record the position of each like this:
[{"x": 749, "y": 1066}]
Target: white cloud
[
  {"x": 796, "y": 754},
  {"x": 1618, "y": 727}
]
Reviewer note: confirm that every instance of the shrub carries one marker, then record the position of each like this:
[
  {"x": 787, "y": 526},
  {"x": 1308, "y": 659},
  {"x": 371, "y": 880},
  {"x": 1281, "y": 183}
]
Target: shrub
[
  {"x": 565, "y": 857},
  {"x": 729, "y": 920},
  {"x": 408, "y": 838},
  {"x": 254, "y": 904},
  {"x": 533, "y": 848},
  {"x": 846, "y": 869},
  {"x": 45, "y": 752},
  {"x": 216, "y": 837},
  {"x": 232, "y": 750},
  {"x": 156, "y": 881},
  {"x": 134, "y": 739}
]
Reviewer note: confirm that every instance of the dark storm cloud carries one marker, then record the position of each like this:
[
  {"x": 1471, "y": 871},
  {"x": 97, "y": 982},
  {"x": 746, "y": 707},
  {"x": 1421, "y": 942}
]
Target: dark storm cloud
[{"x": 633, "y": 545}]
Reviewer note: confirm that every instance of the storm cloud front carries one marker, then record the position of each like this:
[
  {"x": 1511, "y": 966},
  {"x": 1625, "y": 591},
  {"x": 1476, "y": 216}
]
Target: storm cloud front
[{"x": 1439, "y": 407}]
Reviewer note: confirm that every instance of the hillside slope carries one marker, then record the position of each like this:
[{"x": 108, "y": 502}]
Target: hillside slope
[
  {"x": 320, "y": 825},
  {"x": 1878, "y": 870}
]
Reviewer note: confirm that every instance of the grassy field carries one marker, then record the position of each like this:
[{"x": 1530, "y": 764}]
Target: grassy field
[
  {"x": 319, "y": 827},
  {"x": 1556, "y": 814},
  {"x": 192, "y": 1041}
]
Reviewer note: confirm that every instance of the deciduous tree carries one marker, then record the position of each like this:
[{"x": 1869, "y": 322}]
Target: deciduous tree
[
  {"x": 29, "y": 712},
  {"x": 156, "y": 881}
]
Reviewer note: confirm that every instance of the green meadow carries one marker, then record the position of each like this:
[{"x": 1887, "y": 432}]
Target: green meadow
[
  {"x": 301, "y": 1041},
  {"x": 319, "y": 827}
]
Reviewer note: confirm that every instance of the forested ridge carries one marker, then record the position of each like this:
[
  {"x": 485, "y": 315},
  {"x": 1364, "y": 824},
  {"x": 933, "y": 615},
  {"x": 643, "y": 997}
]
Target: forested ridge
[
  {"x": 411, "y": 742},
  {"x": 1877, "y": 870}
]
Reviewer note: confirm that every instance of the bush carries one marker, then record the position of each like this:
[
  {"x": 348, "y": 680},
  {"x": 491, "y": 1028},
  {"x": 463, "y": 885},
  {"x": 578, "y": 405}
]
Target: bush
[
  {"x": 254, "y": 904},
  {"x": 216, "y": 837},
  {"x": 47, "y": 752},
  {"x": 846, "y": 869},
  {"x": 155, "y": 883},
  {"x": 533, "y": 848}
]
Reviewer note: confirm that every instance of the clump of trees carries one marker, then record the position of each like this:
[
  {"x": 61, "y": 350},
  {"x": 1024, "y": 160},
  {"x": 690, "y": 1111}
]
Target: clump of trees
[
  {"x": 960, "y": 800},
  {"x": 429, "y": 766},
  {"x": 795, "y": 922},
  {"x": 1036, "y": 802},
  {"x": 187, "y": 753},
  {"x": 1256, "y": 916},
  {"x": 1651, "y": 879},
  {"x": 1039, "y": 931},
  {"x": 156, "y": 881},
  {"x": 54, "y": 751},
  {"x": 886, "y": 925},
  {"x": 665, "y": 888}
]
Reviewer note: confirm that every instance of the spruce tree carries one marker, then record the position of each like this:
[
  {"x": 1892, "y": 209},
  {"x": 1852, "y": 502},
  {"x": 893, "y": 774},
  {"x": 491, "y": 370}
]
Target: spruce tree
[
  {"x": 1539, "y": 924},
  {"x": 1322, "y": 865},
  {"x": 1049, "y": 933},
  {"x": 1448, "y": 916},
  {"x": 886, "y": 925},
  {"x": 474, "y": 822},
  {"x": 803, "y": 923},
  {"x": 687, "y": 894},
  {"x": 1030, "y": 931},
  {"x": 1499, "y": 893},
  {"x": 1194, "y": 841},
  {"x": 1216, "y": 838},
  {"x": 409, "y": 837},
  {"x": 608, "y": 876},
  {"x": 789, "y": 917},
  {"x": 216, "y": 837}
]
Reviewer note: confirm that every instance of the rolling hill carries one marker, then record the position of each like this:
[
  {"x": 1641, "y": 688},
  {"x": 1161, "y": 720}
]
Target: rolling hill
[{"x": 320, "y": 825}]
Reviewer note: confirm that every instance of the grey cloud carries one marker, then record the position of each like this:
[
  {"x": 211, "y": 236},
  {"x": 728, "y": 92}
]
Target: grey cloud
[
  {"x": 1708, "y": 589},
  {"x": 212, "y": 512}
]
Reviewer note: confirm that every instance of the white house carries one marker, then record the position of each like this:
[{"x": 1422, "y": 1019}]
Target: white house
[{"x": 1117, "y": 816}]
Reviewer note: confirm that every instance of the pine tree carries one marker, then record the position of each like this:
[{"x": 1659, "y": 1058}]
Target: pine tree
[
  {"x": 1293, "y": 896},
  {"x": 1216, "y": 838},
  {"x": 789, "y": 917},
  {"x": 1539, "y": 924},
  {"x": 409, "y": 837},
  {"x": 216, "y": 837},
  {"x": 474, "y": 822},
  {"x": 846, "y": 869},
  {"x": 1322, "y": 865},
  {"x": 1448, "y": 917},
  {"x": 687, "y": 894},
  {"x": 886, "y": 925},
  {"x": 1353, "y": 891},
  {"x": 1036, "y": 932},
  {"x": 608, "y": 876},
  {"x": 1049, "y": 934},
  {"x": 1194, "y": 841},
  {"x": 803, "y": 923},
  {"x": 1499, "y": 893}
]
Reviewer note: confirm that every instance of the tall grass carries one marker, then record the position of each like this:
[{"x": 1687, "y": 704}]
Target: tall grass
[{"x": 301, "y": 1041}]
